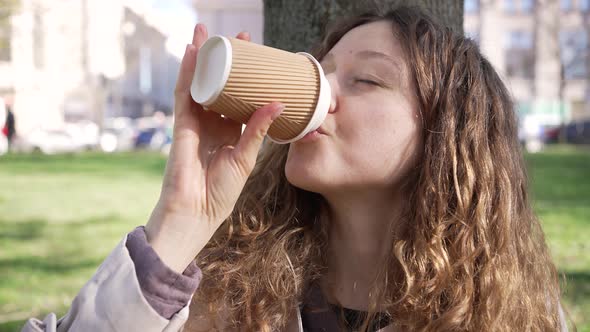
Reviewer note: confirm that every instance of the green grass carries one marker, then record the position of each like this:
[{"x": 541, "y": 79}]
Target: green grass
[
  {"x": 560, "y": 179},
  {"x": 61, "y": 215}
]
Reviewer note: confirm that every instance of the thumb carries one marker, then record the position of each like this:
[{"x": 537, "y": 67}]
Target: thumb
[{"x": 247, "y": 148}]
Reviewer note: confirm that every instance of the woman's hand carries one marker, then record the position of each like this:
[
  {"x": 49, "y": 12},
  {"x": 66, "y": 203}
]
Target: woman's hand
[{"x": 209, "y": 162}]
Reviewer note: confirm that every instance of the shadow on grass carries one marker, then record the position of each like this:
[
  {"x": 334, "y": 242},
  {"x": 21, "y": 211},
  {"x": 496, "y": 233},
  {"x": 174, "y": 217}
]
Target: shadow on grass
[
  {"x": 24, "y": 230},
  {"x": 58, "y": 265},
  {"x": 561, "y": 178},
  {"x": 12, "y": 326},
  {"x": 577, "y": 286},
  {"x": 57, "y": 248},
  {"x": 32, "y": 229},
  {"x": 576, "y": 291},
  {"x": 38, "y": 252},
  {"x": 86, "y": 163}
]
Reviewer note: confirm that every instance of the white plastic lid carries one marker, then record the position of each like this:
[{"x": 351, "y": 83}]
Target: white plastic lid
[
  {"x": 212, "y": 70},
  {"x": 322, "y": 106}
]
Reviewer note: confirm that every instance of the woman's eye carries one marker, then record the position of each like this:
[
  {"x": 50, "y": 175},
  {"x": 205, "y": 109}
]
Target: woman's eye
[{"x": 359, "y": 80}]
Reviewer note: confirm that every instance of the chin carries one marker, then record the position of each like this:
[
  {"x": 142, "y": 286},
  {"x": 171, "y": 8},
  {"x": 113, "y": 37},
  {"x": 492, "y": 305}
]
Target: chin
[
  {"x": 305, "y": 176},
  {"x": 308, "y": 169}
]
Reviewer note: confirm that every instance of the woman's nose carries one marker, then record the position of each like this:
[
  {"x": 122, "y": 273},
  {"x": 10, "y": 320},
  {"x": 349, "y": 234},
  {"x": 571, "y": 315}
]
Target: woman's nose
[{"x": 334, "y": 87}]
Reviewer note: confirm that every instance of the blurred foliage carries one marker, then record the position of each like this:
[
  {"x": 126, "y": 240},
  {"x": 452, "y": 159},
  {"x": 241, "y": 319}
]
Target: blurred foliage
[{"x": 7, "y": 7}]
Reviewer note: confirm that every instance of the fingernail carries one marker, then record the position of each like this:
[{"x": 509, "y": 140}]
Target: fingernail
[{"x": 278, "y": 110}]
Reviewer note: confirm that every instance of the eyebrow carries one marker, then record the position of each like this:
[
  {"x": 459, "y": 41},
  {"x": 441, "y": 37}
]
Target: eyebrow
[
  {"x": 373, "y": 54},
  {"x": 368, "y": 54}
]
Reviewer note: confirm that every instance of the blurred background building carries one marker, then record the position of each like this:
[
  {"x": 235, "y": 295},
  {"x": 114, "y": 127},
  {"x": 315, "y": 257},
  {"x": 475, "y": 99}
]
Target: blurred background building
[
  {"x": 109, "y": 63},
  {"x": 229, "y": 17},
  {"x": 71, "y": 60},
  {"x": 542, "y": 50}
]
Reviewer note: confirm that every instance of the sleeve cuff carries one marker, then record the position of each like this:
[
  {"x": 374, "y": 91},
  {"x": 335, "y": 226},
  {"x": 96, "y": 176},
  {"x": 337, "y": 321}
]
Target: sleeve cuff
[{"x": 164, "y": 289}]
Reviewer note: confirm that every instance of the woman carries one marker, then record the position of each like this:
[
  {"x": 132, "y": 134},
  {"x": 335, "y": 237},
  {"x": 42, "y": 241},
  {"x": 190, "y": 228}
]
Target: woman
[{"x": 408, "y": 212}]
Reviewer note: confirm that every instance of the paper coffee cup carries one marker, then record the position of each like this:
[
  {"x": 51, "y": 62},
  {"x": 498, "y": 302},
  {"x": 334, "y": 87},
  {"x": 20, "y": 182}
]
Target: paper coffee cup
[{"x": 235, "y": 77}]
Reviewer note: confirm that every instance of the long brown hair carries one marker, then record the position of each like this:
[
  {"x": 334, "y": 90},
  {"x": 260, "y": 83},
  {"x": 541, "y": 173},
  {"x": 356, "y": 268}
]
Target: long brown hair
[{"x": 469, "y": 253}]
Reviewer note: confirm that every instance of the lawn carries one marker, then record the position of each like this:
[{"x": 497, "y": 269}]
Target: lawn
[{"x": 61, "y": 215}]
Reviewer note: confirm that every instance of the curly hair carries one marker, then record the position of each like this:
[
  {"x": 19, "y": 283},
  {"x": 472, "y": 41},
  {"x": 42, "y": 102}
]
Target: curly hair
[{"x": 469, "y": 253}]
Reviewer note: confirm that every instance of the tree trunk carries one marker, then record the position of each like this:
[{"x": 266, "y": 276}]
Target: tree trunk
[
  {"x": 298, "y": 25},
  {"x": 7, "y": 7}
]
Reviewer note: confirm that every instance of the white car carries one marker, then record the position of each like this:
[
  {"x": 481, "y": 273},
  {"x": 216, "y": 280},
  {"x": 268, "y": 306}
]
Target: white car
[
  {"x": 84, "y": 133},
  {"x": 118, "y": 135},
  {"x": 51, "y": 142}
]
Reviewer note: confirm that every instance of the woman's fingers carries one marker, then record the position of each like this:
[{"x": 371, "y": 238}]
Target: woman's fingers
[
  {"x": 189, "y": 61},
  {"x": 244, "y": 35},
  {"x": 246, "y": 151},
  {"x": 187, "y": 68},
  {"x": 200, "y": 35},
  {"x": 182, "y": 98}
]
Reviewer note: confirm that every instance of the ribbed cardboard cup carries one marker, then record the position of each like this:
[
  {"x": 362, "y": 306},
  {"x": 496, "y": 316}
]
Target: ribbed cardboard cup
[{"x": 235, "y": 77}]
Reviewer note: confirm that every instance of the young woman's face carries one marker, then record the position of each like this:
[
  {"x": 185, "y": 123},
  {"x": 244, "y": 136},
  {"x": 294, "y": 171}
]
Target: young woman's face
[{"x": 372, "y": 131}]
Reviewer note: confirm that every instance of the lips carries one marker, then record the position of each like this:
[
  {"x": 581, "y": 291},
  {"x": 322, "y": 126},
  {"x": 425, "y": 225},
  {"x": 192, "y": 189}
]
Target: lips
[
  {"x": 321, "y": 130},
  {"x": 313, "y": 135}
]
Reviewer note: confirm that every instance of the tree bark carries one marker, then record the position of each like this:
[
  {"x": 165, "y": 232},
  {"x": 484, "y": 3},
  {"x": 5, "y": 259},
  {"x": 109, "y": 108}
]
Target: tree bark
[{"x": 298, "y": 25}]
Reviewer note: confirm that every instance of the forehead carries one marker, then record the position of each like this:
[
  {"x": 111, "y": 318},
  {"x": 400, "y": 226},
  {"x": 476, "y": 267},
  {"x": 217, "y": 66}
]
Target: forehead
[{"x": 374, "y": 36}]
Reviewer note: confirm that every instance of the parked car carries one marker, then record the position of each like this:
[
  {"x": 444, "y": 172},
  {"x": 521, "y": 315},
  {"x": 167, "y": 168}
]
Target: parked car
[
  {"x": 530, "y": 133},
  {"x": 551, "y": 134},
  {"x": 578, "y": 132},
  {"x": 50, "y": 142},
  {"x": 152, "y": 138},
  {"x": 573, "y": 133},
  {"x": 154, "y": 133},
  {"x": 85, "y": 133},
  {"x": 118, "y": 134}
]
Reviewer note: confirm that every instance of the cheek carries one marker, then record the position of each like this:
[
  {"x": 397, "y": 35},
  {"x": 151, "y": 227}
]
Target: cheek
[
  {"x": 378, "y": 129},
  {"x": 370, "y": 147},
  {"x": 384, "y": 145}
]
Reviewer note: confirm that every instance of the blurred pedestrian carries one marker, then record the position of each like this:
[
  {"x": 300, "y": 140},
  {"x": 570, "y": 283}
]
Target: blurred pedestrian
[
  {"x": 9, "y": 126},
  {"x": 3, "y": 129}
]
